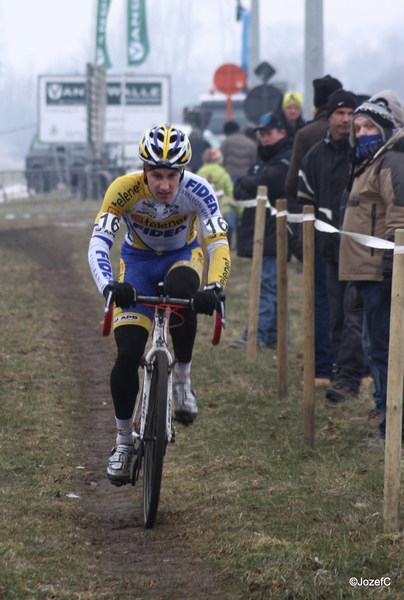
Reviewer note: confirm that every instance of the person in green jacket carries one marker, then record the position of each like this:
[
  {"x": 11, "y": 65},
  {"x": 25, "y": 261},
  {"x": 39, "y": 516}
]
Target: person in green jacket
[{"x": 217, "y": 175}]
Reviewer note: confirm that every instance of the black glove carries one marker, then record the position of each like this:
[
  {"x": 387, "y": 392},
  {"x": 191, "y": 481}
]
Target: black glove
[
  {"x": 208, "y": 299},
  {"x": 123, "y": 294}
]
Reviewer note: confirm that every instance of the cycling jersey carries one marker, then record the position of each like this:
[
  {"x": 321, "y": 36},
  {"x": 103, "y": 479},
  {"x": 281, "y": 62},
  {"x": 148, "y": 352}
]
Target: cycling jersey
[{"x": 157, "y": 227}]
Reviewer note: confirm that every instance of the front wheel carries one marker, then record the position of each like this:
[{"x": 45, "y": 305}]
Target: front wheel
[{"x": 154, "y": 441}]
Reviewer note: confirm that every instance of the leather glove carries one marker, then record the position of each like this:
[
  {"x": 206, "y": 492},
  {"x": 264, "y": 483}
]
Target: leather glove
[
  {"x": 208, "y": 299},
  {"x": 123, "y": 294}
]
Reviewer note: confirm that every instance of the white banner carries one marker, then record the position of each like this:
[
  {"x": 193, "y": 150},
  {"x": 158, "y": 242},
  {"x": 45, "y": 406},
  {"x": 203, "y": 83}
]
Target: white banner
[{"x": 63, "y": 112}]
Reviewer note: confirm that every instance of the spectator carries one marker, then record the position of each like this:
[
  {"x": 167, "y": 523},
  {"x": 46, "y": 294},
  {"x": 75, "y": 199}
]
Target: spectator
[
  {"x": 251, "y": 134},
  {"x": 239, "y": 153},
  {"x": 270, "y": 169},
  {"x": 215, "y": 173},
  {"x": 375, "y": 206},
  {"x": 323, "y": 179},
  {"x": 305, "y": 138},
  {"x": 292, "y": 106},
  {"x": 198, "y": 145}
]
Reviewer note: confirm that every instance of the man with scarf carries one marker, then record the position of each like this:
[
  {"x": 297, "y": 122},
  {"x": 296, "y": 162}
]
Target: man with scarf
[
  {"x": 270, "y": 170},
  {"x": 375, "y": 207}
]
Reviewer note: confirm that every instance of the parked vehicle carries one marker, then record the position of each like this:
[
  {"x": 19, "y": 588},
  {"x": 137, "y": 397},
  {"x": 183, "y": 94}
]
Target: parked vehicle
[{"x": 49, "y": 166}]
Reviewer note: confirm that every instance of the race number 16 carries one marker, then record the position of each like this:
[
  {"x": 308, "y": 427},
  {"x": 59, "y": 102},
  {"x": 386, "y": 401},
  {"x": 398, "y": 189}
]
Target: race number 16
[{"x": 216, "y": 225}]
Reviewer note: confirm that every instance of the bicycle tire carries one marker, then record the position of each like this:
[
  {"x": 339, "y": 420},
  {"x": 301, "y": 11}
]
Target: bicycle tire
[{"x": 154, "y": 443}]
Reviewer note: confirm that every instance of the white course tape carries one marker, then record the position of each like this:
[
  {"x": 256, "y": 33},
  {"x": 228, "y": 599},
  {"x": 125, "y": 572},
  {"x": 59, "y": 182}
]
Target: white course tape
[{"x": 366, "y": 240}]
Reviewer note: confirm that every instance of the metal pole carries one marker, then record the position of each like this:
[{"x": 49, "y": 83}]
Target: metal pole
[
  {"x": 254, "y": 43},
  {"x": 313, "y": 50}
]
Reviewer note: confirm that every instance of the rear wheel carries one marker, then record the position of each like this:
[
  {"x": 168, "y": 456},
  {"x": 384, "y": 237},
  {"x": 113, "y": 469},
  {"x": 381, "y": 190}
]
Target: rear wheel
[{"x": 154, "y": 442}]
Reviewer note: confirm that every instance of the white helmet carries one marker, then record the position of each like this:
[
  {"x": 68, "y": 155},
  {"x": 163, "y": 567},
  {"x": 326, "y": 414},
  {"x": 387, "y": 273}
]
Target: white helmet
[{"x": 165, "y": 146}]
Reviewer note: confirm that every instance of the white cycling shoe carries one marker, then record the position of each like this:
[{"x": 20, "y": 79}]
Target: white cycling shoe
[
  {"x": 185, "y": 407},
  {"x": 119, "y": 464}
]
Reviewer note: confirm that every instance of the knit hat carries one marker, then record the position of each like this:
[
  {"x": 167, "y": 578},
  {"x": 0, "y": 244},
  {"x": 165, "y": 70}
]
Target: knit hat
[
  {"x": 393, "y": 102},
  {"x": 212, "y": 155},
  {"x": 292, "y": 98},
  {"x": 380, "y": 115},
  {"x": 272, "y": 120},
  {"x": 341, "y": 99},
  {"x": 323, "y": 87}
]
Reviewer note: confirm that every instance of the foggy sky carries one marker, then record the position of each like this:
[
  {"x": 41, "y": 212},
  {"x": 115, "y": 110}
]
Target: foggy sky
[{"x": 362, "y": 40}]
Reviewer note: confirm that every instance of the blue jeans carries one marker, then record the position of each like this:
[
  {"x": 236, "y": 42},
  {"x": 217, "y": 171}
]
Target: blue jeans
[
  {"x": 267, "y": 313},
  {"x": 376, "y": 305},
  {"x": 324, "y": 356}
]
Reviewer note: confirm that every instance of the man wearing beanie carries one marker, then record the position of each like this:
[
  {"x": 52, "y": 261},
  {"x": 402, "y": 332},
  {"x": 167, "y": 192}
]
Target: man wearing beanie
[
  {"x": 375, "y": 207},
  {"x": 305, "y": 138},
  {"x": 292, "y": 106},
  {"x": 312, "y": 132},
  {"x": 323, "y": 177}
]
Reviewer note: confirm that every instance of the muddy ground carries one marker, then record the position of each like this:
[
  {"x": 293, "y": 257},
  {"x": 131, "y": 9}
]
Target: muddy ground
[{"x": 128, "y": 563}]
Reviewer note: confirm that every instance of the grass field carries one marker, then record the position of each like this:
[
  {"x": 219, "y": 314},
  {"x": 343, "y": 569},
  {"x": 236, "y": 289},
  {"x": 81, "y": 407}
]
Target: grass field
[{"x": 241, "y": 491}]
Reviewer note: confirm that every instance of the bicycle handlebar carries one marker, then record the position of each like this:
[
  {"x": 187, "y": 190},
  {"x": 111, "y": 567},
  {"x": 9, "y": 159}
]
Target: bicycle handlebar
[{"x": 220, "y": 322}]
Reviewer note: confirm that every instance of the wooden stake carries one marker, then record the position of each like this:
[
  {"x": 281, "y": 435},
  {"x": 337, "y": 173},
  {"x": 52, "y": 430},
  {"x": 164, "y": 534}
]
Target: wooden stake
[
  {"x": 392, "y": 471},
  {"x": 258, "y": 249},
  {"x": 308, "y": 316},
  {"x": 282, "y": 296}
]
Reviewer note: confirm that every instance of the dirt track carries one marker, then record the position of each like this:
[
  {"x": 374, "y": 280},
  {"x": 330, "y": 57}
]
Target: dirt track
[{"x": 129, "y": 562}]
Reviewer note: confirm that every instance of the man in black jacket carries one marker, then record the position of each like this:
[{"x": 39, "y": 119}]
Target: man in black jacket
[
  {"x": 270, "y": 169},
  {"x": 323, "y": 178}
]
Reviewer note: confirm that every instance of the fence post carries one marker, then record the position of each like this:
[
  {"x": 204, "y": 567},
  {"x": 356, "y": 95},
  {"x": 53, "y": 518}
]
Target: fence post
[
  {"x": 392, "y": 473},
  {"x": 282, "y": 296},
  {"x": 308, "y": 319},
  {"x": 258, "y": 248}
]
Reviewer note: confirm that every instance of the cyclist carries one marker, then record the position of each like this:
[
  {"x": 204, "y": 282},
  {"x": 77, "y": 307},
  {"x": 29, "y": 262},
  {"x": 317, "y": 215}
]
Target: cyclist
[{"x": 159, "y": 206}]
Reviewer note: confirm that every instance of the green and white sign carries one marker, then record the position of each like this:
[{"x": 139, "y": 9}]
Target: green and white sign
[
  {"x": 101, "y": 51},
  {"x": 138, "y": 43}
]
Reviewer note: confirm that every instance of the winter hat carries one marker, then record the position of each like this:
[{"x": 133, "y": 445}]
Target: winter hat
[
  {"x": 393, "y": 102},
  {"x": 380, "y": 115},
  {"x": 212, "y": 155},
  {"x": 341, "y": 99},
  {"x": 270, "y": 121},
  {"x": 292, "y": 98},
  {"x": 323, "y": 87}
]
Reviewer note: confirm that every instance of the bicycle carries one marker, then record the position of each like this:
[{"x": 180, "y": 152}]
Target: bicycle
[{"x": 153, "y": 415}]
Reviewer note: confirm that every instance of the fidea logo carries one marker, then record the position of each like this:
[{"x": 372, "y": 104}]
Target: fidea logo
[{"x": 65, "y": 93}]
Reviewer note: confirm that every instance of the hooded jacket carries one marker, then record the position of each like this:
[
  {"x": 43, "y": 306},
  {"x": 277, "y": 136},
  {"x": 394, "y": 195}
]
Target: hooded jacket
[
  {"x": 270, "y": 170},
  {"x": 375, "y": 207}
]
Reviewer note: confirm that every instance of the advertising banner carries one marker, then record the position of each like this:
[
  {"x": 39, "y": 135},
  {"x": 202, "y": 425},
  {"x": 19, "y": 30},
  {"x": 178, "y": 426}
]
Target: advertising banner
[
  {"x": 137, "y": 40},
  {"x": 133, "y": 104},
  {"x": 62, "y": 109},
  {"x": 145, "y": 103},
  {"x": 101, "y": 51}
]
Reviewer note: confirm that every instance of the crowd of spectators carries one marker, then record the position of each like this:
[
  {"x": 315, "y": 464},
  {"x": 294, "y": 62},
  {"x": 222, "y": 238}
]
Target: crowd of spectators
[{"x": 348, "y": 162}]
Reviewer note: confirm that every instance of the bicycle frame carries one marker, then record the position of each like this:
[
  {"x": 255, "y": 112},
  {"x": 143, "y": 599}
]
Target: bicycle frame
[{"x": 159, "y": 342}]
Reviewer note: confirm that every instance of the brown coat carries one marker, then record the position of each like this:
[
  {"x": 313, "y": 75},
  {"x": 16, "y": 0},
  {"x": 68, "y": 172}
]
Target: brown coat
[
  {"x": 305, "y": 138},
  {"x": 375, "y": 207}
]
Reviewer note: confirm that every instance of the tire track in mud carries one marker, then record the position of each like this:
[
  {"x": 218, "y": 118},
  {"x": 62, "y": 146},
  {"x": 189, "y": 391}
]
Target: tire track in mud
[{"x": 130, "y": 563}]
